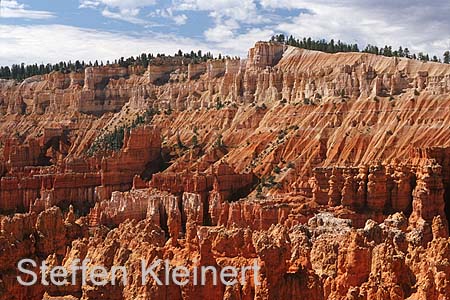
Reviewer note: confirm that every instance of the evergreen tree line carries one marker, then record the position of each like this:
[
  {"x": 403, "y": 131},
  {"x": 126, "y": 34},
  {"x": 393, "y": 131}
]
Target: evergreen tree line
[
  {"x": 21, "y": 71},
  {"x": 334, "y": 47},
  {"x": 318, "y": 45}
]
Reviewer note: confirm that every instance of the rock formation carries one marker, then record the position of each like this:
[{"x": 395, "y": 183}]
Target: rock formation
[{"x": 331, "y": 172}]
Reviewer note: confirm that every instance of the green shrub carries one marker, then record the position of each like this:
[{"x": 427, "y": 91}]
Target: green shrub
[{"x": 277, "y": 169}]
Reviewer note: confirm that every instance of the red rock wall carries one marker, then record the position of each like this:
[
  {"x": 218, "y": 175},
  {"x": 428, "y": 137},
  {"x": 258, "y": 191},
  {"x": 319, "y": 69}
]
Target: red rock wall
[{"x": 330, "y": 171}]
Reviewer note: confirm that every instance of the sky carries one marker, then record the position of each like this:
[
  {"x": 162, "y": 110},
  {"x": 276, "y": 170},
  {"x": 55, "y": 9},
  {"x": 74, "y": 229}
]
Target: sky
[{"x": 49, "y": 31}]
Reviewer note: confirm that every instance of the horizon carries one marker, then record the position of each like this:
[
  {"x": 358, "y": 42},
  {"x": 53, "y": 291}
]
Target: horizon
[
  {"x": 22, "y": 71},
  {"x": 48, "y": 32}
]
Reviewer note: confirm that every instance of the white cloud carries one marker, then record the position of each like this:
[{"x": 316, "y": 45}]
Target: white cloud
[
  {"x": 168, "y": 13},
  {"x": 415, "y": 24},
  {"x": 228, "y": 16},
  {"x": 180, "y": 19},
  {"x": 89, "y": 4},
  {"x": 128, "y": 3},
  {"x": 54, "y": 43},
  {"x": 219, "y": 33},
  {"x": 288, "y": 4},
  {"x": 244, "y": 11},
  {"x": 238, "y": 24},
  {"x": 222, "y": 31},
  {"x": 121, "y": 4},
  {"x": 208, "y": 4},
  {"x": 127, "y": 15},
  {"x": 418, "y": 25},
  {"x": 239, "y": 44},
  {"x": 123, "y": 10},
  {"x": 13, "y": 9}
]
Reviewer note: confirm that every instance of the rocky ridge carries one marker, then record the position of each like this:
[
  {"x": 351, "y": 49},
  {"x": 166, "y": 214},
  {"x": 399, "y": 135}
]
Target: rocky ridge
[{"x": 332, "y": 171}]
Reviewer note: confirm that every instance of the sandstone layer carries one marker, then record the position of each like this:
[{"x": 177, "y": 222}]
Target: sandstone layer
[{"x": 330, "y": 171}]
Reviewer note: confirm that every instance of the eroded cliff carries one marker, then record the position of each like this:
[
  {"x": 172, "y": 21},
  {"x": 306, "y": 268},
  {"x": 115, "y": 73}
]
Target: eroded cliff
[{"x": 331, "y": 171}]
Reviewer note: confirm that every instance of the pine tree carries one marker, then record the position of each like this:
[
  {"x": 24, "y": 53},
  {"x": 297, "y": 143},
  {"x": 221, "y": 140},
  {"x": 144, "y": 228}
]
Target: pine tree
[
  {"x": 194, "y": 141},
  {"x": 406, "y": 53},
  {"x": 447, "y": 57},
  {"x": 400, "y": 52}
]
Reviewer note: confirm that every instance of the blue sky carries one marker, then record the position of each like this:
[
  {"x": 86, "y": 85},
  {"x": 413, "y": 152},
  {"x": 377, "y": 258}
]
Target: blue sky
[{"x": 53, "y": 30}]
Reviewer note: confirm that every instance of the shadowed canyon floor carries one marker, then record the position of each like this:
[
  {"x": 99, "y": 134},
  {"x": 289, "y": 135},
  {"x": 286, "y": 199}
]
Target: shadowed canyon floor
[{"x": 331, "y": 171}]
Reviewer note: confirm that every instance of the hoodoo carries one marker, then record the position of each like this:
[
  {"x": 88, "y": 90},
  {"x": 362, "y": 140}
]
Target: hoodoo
[{"x": 330, "y": 172}]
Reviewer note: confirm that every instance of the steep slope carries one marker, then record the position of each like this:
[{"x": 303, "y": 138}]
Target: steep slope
[{"x": 332, "y": 171}]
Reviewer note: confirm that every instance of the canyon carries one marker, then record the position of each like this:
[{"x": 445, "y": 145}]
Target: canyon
[{"x": 331, "y": 171}]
